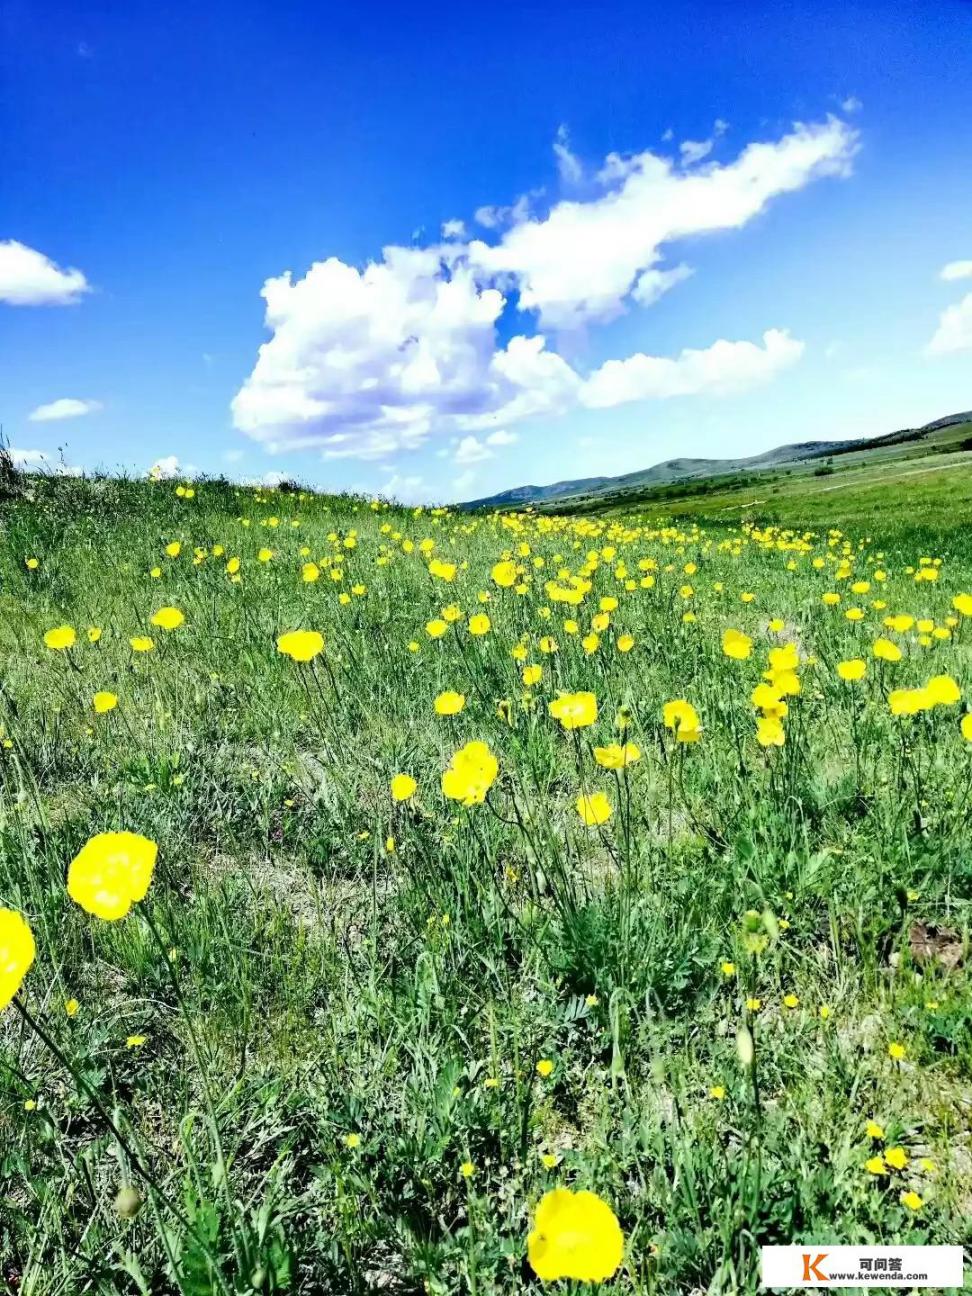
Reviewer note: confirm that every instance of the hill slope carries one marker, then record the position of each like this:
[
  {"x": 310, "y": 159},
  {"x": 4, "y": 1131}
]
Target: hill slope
[{"x": 684, "y": 469}]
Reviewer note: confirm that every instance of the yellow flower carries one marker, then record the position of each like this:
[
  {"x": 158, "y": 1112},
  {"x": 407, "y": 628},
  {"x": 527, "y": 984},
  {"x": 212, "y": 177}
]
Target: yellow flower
[
  {"x": 547, "y": 645},
  {"x": 625, "y": 643},
  {"x": 824, "y": 1012},
  {"x": 616, "y": 756},
  {"x": 174, "y": 549},
  {"x": 718, "y": 1092},
  {"x": 156, "y": 573},
  {"x": 352, "y": 1141},
  {"x": 594, "y": 808},
  {"x": 737, "y": 645},
  {"x": 550, "y": 1160},
  {"x": 264, "y": 555},
  {"x": 727, "y": 968},
  {"x": 436, "y": 628},
  {"x": 111, "y": 872},
  {"x": 60, "y": 638},
  {"x": 301, "y": 645},
  {"x": 885, "y": 650},
  {"x": 897, "y": 1052},
  {"x": 141, "y": 643},
  {"x": 683, "y": 719},
  {"x": 966, "y": 727},
  {"x": 479, "y": 624},
  {"x": 168, "y": 618},
  {"x": 232, "y": 566},
  {"x": 875, "y": 1165},
  {"x": 911, "y": 1200},
  {"x": 574, "y": 710},
  {"x": 753, "y": 1005},
  {"x": 309, "y": 573},
  {"x": 71, "y": 1007},
  {"x": 135, "y": 1041},
  {"x": 590, "y": 643},
  {"x": 31, "y": 564},
  {"x": 909, "y": 701},
  {"x": 445, "y": 571},
  {"x": 852, "y": 669},
  {"x": 467, "y": 1169},
  {"x": 791, "y": 1001},
  {"x": 471, "y": 773},
  {"x": 449, "y": 703},
  {"x": 104, "y": 701},
  {"x": 94, "y": 634},
  {"x": 770, "y": 732},
  {"x": 532, "y": 675},
  {"x": 574, "y": 1235},
  {"x": 545, "y": 1068},
  {"x": 767, "y": 699},
  {"x": 874, "y": 1130},
  {"x": 504, "y": 574},
  {"x": 943, "y": 691},
  {"x": 896, "y": 1157},
  {"x": 17, "y": 952},
  {"x": 963, "y": 603},
  {"x": 402, "y": 787}
]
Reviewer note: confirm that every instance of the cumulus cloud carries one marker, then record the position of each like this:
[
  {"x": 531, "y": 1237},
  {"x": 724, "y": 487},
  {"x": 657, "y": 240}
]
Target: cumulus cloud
[
  {"x": 725, "y": 368},
  {"x": 366, "y": 362},
  {"x": 166, "y": 468},
  {"x": 954, "y": 332},
  {"x": 64, "y": 408},
  {"x": 693, "y": 151},
  {"x": 29, "y": 278},
  {"x": 39, "y": 461},
  {"x": 471, "y": 450},
  {"x": 580, "y": 263},
  {"x": 502, "y": 438},
  {"x": 453, "y": 229},
  {"x": 956, "y": 270}
]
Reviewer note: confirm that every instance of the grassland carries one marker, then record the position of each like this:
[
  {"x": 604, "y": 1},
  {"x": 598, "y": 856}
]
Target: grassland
[{"x": 346, "y": 1043}]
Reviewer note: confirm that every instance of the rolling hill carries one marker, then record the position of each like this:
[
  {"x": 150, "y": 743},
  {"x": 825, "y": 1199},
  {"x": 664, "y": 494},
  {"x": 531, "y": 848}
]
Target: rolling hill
[{"x": 688, "y": 470}]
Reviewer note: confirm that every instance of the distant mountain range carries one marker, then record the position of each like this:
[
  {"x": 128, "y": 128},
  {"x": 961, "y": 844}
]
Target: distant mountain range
[{"x": 673, "y": 470}]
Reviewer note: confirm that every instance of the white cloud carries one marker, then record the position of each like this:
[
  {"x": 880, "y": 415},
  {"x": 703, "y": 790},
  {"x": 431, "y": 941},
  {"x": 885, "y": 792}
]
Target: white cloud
[
  {"x": 568, "y": 164},
  {"x": 463, "y": 482},
  {"x": 956, "y": 270},
  {"x": 725, "y": 368},
  {"x": 470, "y": 450},
  {"x": 851, "y": 104},
  {"x": 453, "y": 229},
  {"x": 29, "y": 278},
  {"x": 502, "y": 438},
  {"x": 954, "y": 332},
  {"x": 652, "y": 284},
  {"x": 366, "y": 362},
  {"x": 404, "y": 487},
  {"x": 580, "y": 263},
  {"x": 39, "y": 461},
  {"x": 165, "y": 469},
  {"x": 693, "y": 151},
  {"x": 65, "y": 408}
]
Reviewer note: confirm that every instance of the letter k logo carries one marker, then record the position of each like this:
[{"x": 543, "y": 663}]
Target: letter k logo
[{"x": 810, "y": 1270}]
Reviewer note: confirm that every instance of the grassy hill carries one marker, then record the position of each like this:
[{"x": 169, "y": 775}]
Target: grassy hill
[{"x": 806, "y": 456}]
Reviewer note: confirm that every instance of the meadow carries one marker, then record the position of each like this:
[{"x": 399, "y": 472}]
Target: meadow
[{"x": 505, "y": 899}]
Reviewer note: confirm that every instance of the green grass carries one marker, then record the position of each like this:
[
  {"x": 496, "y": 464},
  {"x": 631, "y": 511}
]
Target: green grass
[{"x": 314, "y": 961}]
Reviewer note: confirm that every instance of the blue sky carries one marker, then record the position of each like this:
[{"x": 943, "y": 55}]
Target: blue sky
[{"x": 702, "y": 229}]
